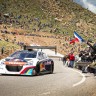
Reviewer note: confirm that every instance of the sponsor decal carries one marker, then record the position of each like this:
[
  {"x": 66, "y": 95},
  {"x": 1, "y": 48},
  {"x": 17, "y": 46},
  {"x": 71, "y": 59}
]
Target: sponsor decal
[
  {"x": 26, "y": 69},
  {"x": 15, "y": 63},
  {"x": 42, "y": 67},
  {"x": 29, "y": 72}
]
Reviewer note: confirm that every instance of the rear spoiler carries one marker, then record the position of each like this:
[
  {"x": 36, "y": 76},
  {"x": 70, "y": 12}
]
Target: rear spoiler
[{"x": 30, "y": 48}]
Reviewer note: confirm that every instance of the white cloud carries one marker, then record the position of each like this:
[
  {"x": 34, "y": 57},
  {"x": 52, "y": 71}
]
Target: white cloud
[
  {"x": 92, "y": 8},
  {"x": 89, "y": 4},
  {"x": 85, "y": 3}
]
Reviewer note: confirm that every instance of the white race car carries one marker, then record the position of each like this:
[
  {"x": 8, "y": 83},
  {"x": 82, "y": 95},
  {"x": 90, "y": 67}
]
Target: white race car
[{"x": 27, "y": 62}]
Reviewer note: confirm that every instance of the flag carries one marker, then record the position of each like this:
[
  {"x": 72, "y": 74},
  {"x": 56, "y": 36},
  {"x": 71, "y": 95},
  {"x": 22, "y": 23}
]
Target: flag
[{"x": 76, "y": 39}]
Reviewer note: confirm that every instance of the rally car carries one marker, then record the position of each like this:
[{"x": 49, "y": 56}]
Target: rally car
[{"x": 27, "y": 62}]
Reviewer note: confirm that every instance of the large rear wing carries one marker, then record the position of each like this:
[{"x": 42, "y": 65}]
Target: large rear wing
[{"x": 30, "y": 48}]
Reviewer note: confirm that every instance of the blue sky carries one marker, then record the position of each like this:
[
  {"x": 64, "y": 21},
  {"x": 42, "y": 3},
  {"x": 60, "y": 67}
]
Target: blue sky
[{"x": 89, "y": 4}]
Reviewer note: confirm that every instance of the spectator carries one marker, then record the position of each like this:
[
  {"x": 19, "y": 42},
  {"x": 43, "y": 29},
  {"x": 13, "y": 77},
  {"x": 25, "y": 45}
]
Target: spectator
[
  {"x": 2, "y": 50},
  {"x": 64, "y": 60},
  {"x": 67, "y": 60},
  {"x": 71, "y": 59}
]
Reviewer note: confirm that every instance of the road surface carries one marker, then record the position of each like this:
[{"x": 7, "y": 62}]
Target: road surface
[{"x": 63, "y": 82}]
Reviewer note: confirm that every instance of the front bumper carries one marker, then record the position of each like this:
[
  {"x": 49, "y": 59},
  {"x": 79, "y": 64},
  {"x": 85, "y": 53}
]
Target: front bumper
[{"x": 18, "y": 70}]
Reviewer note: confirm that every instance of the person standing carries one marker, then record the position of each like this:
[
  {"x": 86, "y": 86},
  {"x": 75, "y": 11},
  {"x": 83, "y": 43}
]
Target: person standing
[
  {"x": 67, "y": 61},
  {"x": 71, "y": 59},
  {"x": 64, "y": 60},
  {"x": 2, "y": 50}
]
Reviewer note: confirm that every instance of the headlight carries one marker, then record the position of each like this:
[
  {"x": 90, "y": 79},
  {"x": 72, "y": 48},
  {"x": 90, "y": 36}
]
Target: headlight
[{"x": 1, "y": 62}]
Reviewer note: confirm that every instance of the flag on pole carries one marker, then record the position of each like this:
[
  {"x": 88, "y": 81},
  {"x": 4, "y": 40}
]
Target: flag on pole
[
  {"x": 74, "y": 40},
  {"x": 77, "y": 38}
]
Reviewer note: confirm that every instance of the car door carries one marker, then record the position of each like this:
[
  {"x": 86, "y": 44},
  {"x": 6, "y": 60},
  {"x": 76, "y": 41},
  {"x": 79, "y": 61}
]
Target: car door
[{"x": 45, "y": 63}]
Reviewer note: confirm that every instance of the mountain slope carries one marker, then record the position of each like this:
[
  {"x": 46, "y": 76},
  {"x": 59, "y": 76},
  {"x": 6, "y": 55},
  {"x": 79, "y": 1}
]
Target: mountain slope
[
  {"x": 63, "y": 15},
  {"x": 52, "y": 21}
]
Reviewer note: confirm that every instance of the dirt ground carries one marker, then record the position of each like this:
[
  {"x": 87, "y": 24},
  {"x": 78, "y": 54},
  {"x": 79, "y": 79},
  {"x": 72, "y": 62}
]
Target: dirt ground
[{"x": 41, "y": 38}]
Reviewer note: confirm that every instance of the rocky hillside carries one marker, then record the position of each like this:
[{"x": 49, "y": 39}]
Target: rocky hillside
[{"x": 59, "y": 18}]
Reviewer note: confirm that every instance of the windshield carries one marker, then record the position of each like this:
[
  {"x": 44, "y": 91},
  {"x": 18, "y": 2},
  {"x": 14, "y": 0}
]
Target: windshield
[{"x": 22, "y": 54}]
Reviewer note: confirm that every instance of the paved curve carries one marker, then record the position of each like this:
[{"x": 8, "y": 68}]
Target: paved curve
[{"x": 61, "y": 83}]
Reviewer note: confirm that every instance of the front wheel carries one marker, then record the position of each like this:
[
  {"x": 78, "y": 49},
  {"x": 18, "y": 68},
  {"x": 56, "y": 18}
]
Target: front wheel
[
  {"x": 34, "y": 72},
  {"x": 37, "y": 70},
  {"x": 52, "y": 69}
]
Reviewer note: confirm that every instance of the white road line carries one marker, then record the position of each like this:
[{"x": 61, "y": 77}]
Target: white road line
[
  {"x": 46, "y": 93},
  {"x": 82, "y": 80}
]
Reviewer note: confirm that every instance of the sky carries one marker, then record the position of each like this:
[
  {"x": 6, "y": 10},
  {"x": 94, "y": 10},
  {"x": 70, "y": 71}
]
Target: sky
[{"x": 89, "y": 4}]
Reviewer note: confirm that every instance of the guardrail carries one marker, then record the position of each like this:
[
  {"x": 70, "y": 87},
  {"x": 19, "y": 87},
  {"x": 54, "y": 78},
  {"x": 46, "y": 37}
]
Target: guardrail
[{"x": 86, "y": 67}]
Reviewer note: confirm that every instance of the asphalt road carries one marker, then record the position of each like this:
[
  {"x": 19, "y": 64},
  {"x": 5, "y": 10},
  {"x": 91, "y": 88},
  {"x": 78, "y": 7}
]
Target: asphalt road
[{"x": 63, "y": 82}]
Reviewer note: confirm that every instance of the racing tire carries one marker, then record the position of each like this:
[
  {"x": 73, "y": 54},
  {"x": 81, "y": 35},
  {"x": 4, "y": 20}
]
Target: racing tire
[
  {"x": 34, "y": 72},
  {"x": 52, "y": 69},
  {"x": 37, "y": 70}
]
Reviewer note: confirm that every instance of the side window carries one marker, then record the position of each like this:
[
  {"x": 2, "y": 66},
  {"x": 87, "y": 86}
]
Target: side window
[
  {"x": 44, "y": 56},
  {"x": 39, "y": 55}
]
